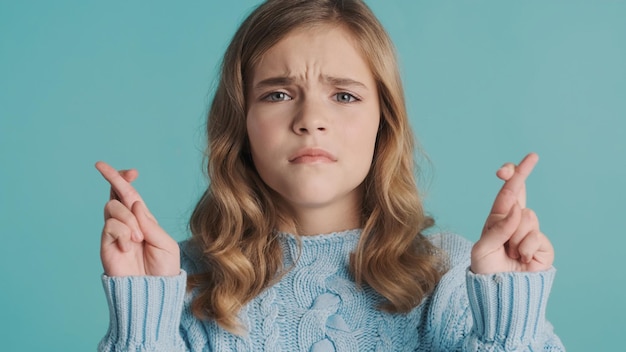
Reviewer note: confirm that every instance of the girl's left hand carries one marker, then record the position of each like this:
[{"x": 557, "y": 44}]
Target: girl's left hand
[{"x": 511, "y": 239}]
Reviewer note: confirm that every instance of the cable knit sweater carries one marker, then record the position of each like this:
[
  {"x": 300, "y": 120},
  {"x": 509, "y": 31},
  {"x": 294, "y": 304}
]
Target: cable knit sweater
[{"x": 317, "y": 307}]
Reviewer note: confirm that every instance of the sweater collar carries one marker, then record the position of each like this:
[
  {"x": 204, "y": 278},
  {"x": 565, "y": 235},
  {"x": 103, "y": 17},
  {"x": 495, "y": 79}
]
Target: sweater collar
[{"x": 333, "y": 247}]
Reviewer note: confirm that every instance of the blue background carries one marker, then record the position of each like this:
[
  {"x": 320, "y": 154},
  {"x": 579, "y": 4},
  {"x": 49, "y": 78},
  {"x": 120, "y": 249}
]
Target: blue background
[{"x": 130, "y": 82}]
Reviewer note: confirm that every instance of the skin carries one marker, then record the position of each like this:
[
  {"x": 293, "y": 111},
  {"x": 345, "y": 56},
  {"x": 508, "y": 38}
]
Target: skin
[
  {"x": 286, "y": 118},
  {"x": 313, "y": 89},
  {"x": 511, "y": 239},
  {"x": 132, "y": 242}
]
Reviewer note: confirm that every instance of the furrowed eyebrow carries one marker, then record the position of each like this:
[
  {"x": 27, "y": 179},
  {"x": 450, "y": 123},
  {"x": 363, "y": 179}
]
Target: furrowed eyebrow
[
  {"x": 343, "y": 82},
  {"x": 274, "y": 81},
  {"x": 286, "y": 81}
]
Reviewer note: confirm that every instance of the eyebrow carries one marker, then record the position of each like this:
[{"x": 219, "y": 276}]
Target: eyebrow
[
  {"x": 288, "y": 80},
  {"x": 274, "y": 81},
  {"x": 344, "y": 82}
]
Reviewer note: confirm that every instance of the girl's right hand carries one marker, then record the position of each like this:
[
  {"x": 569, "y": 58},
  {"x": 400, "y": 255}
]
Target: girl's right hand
[{"x": 133, "y": 243}]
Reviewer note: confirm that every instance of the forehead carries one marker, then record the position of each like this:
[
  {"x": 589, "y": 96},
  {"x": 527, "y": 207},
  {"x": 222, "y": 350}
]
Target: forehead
[{"x": 322, "y": 49}]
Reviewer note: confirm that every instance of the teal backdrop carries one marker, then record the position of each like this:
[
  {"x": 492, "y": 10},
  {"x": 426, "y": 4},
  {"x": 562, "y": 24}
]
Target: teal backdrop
[{"x": 129, "y": 82}]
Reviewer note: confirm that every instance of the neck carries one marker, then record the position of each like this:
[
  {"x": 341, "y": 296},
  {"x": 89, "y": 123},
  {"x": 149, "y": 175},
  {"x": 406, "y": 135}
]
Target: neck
[
  {"x": 320, "y": 221},
  {"x": 315, "y": 220}
]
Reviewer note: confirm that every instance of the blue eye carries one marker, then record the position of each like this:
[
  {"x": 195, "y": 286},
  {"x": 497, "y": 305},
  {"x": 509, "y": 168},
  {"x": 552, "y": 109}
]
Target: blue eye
[
  {"x": 345, "y": 97},
  {"x": 277, "y": 96}
]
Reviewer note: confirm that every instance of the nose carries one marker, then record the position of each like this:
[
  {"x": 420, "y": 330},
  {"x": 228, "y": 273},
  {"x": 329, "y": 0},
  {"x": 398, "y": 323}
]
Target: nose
[{"x": 310, "y": 118}]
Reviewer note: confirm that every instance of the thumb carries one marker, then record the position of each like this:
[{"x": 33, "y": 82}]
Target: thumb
[
  {"x": 153, "y": 233},
  {"x": 500, "y": 231}
]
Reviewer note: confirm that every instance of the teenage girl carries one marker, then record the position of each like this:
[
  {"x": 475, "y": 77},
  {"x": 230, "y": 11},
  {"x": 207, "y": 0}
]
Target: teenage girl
[{"x": 309, "y": 236}]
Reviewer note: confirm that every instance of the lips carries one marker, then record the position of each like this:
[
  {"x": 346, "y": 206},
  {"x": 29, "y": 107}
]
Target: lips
[{"x": 312, "y": 155}]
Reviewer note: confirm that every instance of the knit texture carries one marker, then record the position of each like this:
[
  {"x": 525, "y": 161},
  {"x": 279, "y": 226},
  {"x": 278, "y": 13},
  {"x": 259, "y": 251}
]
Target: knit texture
[{"x": 317, "y": 307}]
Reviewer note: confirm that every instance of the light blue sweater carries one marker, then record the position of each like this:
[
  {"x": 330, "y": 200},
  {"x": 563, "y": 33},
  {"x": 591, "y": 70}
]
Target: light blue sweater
[{"x": 317, "y": 307}]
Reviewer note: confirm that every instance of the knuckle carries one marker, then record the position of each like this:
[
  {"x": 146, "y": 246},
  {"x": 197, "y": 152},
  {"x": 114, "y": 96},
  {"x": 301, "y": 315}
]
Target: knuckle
[
  {"x": 111, "y": 224},
  {"x": 130, "y": 195},
  {"x": 537, "y": 236},
  {"x": 118, "y": 211},
  {"x": 515, "y": 240},
  {"x": 111, "y": 205},
  {"x": 109, "y": 209},
  {"x": 115, "y": 228},
  {"x": 530, "y": 215}
]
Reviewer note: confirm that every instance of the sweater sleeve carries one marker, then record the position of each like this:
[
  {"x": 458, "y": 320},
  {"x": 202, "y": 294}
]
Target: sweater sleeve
[
  {"x": 508, "y": 311},
  {"x": 144, "y": 313},
  {"x": 496, "y": 312}
]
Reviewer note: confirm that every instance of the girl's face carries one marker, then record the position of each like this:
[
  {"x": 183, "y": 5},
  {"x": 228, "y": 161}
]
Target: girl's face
[{"x": 313, "y": 115}]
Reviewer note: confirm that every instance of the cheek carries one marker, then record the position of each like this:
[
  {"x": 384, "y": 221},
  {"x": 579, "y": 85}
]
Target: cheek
[
  {"x": 361, "y": 142},
  {"x": 362, "y": 135},
  {"x": 258, "y": 133},
  {"x": 263, "y": 140},
  {"x": 264, "y": 125}
]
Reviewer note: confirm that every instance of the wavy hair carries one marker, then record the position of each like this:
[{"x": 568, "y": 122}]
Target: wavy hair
[{"x": 234, "y": 222}]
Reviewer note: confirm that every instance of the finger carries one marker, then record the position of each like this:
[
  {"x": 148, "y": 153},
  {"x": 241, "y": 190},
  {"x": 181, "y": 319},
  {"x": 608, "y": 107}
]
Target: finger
[
  {"x": 128, "y": 175},
  {"x": 120, "y": 187},
  {"x": 528, "y": 223},
  {"x": 116, "y": 210},
  {"x": 515, "y": 186},
  {"x": 500, "y": 231},
  {"x": 542, "y": 253},
  {"x": 152, "y": 232},
  {"x": 116, "y": 233},
  {"x": 521, "y": 197},
  {"x": 506, "y": 171},
  {"x": 531, "y": 243}
]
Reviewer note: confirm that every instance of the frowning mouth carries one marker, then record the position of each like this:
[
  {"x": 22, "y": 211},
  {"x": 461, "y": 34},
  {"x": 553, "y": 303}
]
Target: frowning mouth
[{"x": 312, "y": 155}]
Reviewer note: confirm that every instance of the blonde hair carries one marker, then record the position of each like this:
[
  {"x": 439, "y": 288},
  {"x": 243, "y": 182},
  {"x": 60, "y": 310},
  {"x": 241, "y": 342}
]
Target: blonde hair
[{"x": 233, "y": 223}]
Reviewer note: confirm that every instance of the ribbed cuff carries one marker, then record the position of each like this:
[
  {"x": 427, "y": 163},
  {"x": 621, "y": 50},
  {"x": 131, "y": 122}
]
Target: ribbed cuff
[
  {"x": 509, "y": 308},
  {"x": 144, "y": 311}
]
